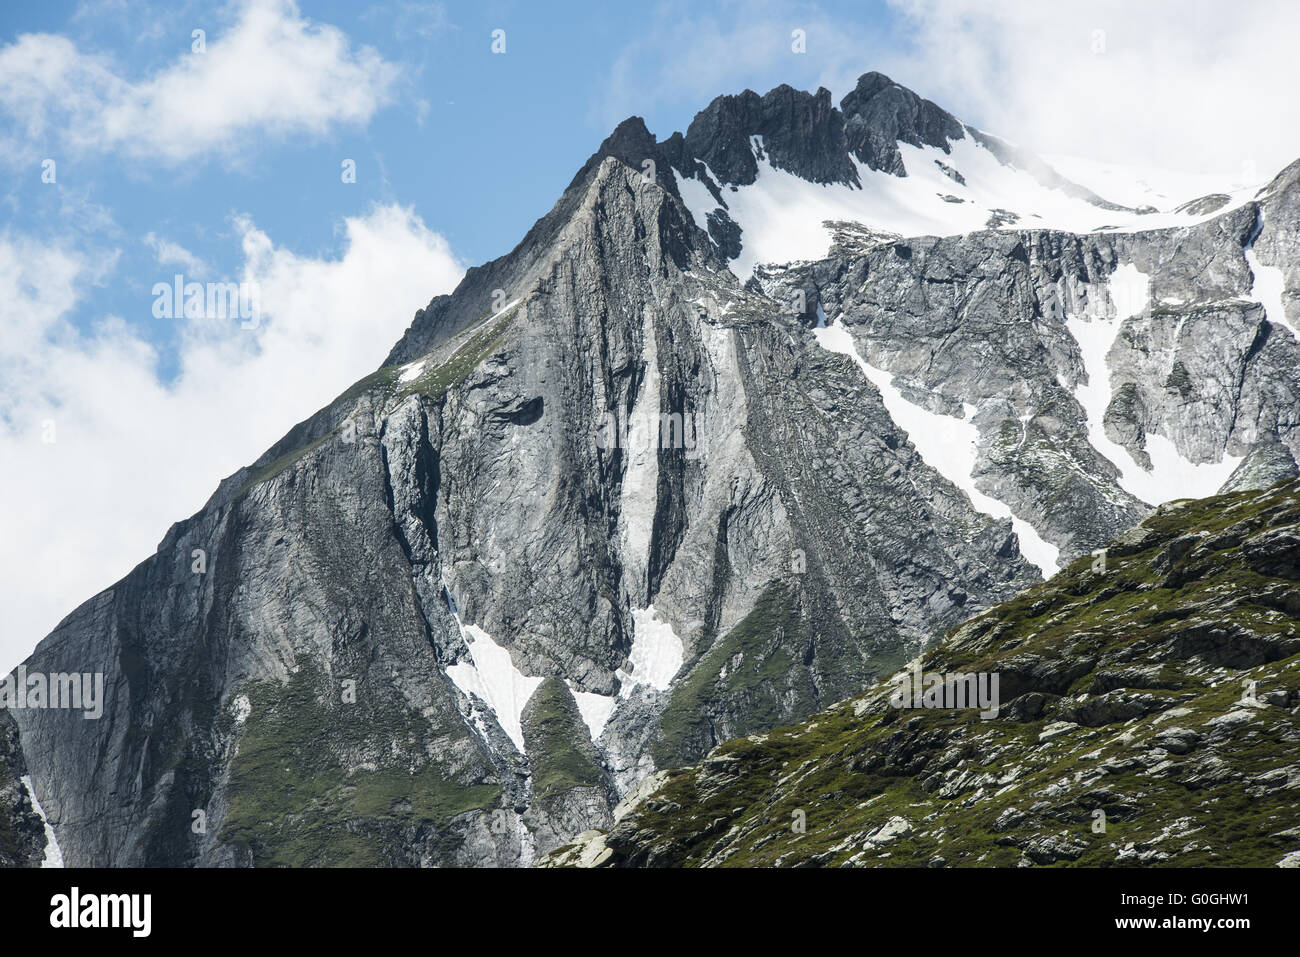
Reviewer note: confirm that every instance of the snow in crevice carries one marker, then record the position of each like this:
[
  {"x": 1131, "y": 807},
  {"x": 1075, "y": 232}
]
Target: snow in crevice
[
  {"x": 1268, "y": 285},
  {"x": 490, "y": 676},
  {"x": 639, "y": 494},
  {"x": 594, "y": 708},
  {"x": 53, "y": 853},
  {"x": 947, "y": 444},
  {"x": 656, "y": 656},
  {"x": 527, "y": 846},
  {"x": 1171, "y": 476}
]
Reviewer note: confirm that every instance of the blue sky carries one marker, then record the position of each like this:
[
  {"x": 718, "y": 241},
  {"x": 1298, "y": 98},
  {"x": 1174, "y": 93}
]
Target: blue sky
[
  {"x": 478, "y": 145},
  {"x": 225, "y": 165}
]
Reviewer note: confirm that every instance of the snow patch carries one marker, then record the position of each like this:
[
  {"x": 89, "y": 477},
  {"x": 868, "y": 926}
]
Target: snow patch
[
  {"x": 491, "y": 676},
  {"x": 53, "y": 853},
  {"x": 594, "y": 708},
  {"x": 1268, "y": 285},
  {"x": 1171, "y": 476},
  {"x": 503, "y": 310},
  {"x": 1129, "y": 289},
  {"x": 412, "y": 370},
  {"x": 947, "y": 444},
  {"x": 657, "y": 653}
]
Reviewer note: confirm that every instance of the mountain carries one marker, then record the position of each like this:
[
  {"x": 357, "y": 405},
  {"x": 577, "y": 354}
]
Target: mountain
[
  {"x": 749, "y": 418},
  {"x": 1149, "y": 715}
]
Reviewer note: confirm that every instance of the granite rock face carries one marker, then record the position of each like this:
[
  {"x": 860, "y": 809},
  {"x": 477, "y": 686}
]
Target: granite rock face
[
  {"x": 605, "y": 507},
  {"x": 977, "y": 320}
]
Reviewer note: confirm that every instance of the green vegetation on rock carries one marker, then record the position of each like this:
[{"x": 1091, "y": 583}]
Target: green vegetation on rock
[
  {"x": 433, "y": 383},
  {"x": 315, "y": 782},
  {"x": 558, "y": 742},
  {"x": 1148, "y": 716},
  {"x": 754, "y": 661}
]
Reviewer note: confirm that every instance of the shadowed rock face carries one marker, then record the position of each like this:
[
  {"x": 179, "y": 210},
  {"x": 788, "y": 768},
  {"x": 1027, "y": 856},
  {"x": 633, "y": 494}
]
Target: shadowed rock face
[
  {"x": 880, "y": 114},
  {"x": 22, "y": 834},
  {"x": 802, "y": 133},
  {"x": 604, "y": 508}
]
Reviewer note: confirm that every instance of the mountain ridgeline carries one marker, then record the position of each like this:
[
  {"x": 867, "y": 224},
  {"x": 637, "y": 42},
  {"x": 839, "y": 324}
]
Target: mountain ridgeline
[{"x": 644, "y": 485}]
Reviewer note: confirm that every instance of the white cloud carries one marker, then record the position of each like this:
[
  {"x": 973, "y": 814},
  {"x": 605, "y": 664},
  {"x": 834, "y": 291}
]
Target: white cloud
[
  {"x": 271, "y": 73},
  {"x": 171, "y": 253},
  {"x": 133, "y": 454},
  {"x": 1194, "y": 86}
]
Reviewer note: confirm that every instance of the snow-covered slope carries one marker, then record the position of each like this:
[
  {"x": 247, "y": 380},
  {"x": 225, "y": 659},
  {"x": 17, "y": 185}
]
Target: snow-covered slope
[
  {"x": 949, "y": 445},
  {"x": 1163, "y": 189},
  {"x": 1171, "y": 476},
  {"x": 784, "y": 217}
]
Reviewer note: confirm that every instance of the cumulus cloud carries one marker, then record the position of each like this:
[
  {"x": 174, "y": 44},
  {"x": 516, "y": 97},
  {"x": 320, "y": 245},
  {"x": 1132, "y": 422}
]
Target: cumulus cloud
[
  {"x": 272, "y": 73},
  {"x": 1193, "y": 86},
  {"x": 103, "y": 455}
]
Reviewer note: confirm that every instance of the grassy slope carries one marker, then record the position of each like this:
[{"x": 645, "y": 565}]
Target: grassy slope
[
  {"x": 1198, "y": 599},
  {"x": 293, "y": 801}
]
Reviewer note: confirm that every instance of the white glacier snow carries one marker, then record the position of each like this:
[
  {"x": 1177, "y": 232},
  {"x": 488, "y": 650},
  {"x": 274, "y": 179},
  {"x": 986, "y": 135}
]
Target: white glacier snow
[
  {"x": 491, "y": 676},
  {"x": 1133, "y": 185},
  {"x": 1171, "y": 476},
  {"x": 1268, "y": 285},
  {"x": 782, "y": 216},
  {"x": 947, "y": 444},
  {"x": 656, "y": 656},
  {"x": 53, "y": 853}
]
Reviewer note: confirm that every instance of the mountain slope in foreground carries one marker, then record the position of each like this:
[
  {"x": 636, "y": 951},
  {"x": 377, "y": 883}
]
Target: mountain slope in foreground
[{"x": 1150, "y": 714}]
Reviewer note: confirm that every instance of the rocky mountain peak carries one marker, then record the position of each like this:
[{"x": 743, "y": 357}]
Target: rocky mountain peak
[
  {"x": 800, "y": 132},
  {"x": 707, "y": 451},
  {"x": 879, "y": 114}
]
